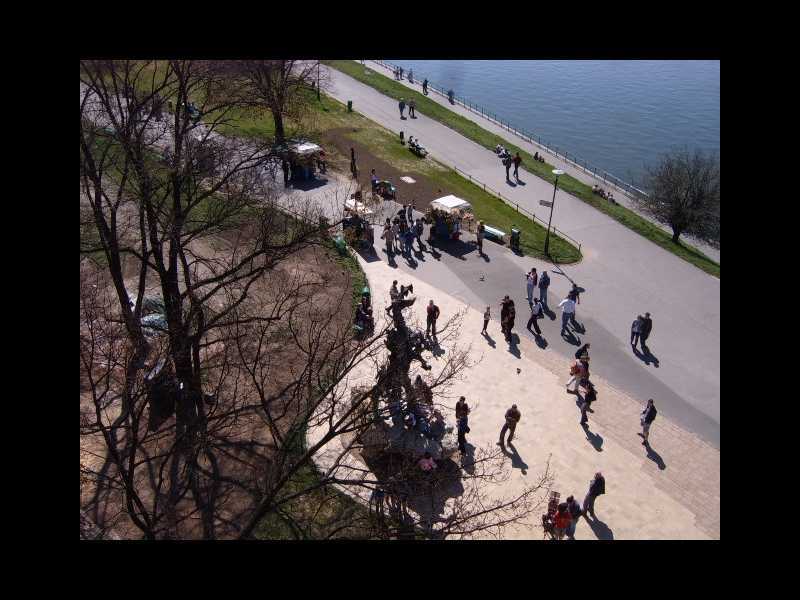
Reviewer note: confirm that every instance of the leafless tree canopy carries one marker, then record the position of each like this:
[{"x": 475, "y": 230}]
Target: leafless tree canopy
[
  {"x": 215, "y": 329},
  {"x": 684, "y": 194}
]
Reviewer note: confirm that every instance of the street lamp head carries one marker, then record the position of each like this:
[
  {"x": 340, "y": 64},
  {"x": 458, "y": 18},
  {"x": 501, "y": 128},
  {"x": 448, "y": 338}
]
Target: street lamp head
[{"x": 558, "y": 172}]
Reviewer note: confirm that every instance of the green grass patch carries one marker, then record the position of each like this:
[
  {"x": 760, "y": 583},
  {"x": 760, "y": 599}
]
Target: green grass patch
[{"x": 474, "y": 132}]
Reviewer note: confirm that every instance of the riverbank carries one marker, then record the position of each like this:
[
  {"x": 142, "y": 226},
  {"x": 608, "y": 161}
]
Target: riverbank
[{"x": 571, "y": 183}]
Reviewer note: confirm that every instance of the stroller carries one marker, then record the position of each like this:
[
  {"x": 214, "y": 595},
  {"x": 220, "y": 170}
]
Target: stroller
[
  {"x": 548, "y": 520},
  {"x": 417, "y": 148}
]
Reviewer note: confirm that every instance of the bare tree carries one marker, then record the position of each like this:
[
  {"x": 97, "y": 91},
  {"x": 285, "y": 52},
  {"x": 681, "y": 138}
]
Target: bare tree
[
  {"x": 194, "y": 413},
  {"x": 281, "y": 87},
  {"x": 683, "y": 192}
]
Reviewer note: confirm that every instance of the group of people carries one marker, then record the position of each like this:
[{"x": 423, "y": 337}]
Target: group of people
[
  {"x": 507, "y": 160},
  {"x": 416, "y": 147},
  {"x": 538, "y": 157},
  {"x": 563, "y": 516},
  {"x": 640, "y": 330},
  {"x": 602, "y": 193},
  {"x": 402, "y": 231},
  {"x": 412, "y": 106}
]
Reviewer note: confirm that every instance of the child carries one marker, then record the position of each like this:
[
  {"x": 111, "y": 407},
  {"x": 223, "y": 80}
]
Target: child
[{"x": 486, "y": 317}]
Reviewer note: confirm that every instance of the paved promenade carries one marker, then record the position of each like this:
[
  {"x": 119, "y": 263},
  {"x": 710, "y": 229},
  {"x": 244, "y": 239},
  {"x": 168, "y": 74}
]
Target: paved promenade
[
  {"x": 670, "y": 492},
  {"x": 620, "y": 195},
  {"x": 623, "y": 273}
]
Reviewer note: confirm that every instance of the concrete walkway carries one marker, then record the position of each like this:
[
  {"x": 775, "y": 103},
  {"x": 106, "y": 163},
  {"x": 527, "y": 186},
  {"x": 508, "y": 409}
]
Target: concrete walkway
[
  {"x": 623, "y": 273},
  {"x": 668, "y": 492}
]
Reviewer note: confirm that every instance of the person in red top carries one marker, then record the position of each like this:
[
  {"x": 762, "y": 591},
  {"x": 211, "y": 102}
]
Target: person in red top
[{"x": 561, "y": 520}]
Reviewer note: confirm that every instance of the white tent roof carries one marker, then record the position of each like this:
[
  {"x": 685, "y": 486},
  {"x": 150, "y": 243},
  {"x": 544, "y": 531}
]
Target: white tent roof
[
  {"x": 451, "y": 202},
  {"x": 305, "y": 148}
]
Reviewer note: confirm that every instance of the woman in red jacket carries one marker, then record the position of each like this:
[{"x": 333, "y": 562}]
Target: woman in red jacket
[{"x": 561, "y": 520}]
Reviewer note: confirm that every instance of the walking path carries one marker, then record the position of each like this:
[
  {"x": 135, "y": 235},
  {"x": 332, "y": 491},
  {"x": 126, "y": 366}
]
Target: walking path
[
  {"x": 668, "y": 492},
  {"x": 619, "y": 194},
  {"x": 623, "y": 273}
]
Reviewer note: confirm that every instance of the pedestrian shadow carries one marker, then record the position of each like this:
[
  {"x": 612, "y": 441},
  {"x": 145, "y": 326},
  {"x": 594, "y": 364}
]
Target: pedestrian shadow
[
  {"x": 540, "y": 341},
  {"x": 646, "y": 357},
  {"x": 595, "y": 439},
  {"x": 419, "y": 255},
  {"x": 655, "y": 457},
  {"x": 513, "y": 345},
  {"x": 468, "y": 459},
  {"x": 570, "y": 338},
  {"x": 516, "y": 459},
  {"x": 411, "y": 262},
  {"x": 484, "y": 256},
  {"x": 600, "y": 529},
  {"x": 551, "y": 315},
  {"x": 436, "y": 349},
  {"x": 578, "y": 326},
  {"x": 521, "y": 182},
  {"x": 390, "y": 260},
  {"x": 434, "y": 253},
  {"x": 511, "y": 183},
  {"x": 489, "y": 339}
]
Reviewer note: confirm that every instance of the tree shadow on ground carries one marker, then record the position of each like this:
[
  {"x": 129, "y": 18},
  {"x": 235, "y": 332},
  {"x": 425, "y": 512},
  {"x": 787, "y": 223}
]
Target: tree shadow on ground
[
  {"x": 655, "y": 457},
  {"x": 600, "y": 529},
  {"x": 369, "y": 254},
  {"x": 646, "y": 357},
  {"x": 489, "y": 339},
  {"x": 311, "y": 184},
  {"x": 468, "y": 459},
  {"x": 436, "y": 349},
  {"x": 516, "y": 459},
  {"x": 595, "y": 439}
]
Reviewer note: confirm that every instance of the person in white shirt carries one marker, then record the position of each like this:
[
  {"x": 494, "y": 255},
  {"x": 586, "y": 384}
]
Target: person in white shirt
[{"x": 568, "y": 312}]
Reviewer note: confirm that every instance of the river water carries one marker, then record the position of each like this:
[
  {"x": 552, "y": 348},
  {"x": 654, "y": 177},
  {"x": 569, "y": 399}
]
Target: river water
[{"x": 618, "y": 115}]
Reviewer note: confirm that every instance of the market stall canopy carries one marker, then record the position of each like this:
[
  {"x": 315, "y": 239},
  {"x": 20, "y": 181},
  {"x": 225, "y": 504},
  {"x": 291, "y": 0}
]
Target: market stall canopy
[
  {"x": 298, "y": 148},
  {"x": 450, "y": 203}
]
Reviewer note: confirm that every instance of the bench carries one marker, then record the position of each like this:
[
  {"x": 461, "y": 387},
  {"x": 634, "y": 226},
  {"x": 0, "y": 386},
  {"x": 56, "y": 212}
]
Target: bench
[{"x": 492, "y": 233}]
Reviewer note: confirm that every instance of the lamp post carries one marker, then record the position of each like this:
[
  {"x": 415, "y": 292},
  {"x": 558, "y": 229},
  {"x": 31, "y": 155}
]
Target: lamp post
[{"x": 557, "y": 173}]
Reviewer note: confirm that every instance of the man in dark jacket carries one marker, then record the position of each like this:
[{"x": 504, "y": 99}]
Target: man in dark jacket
[
  {"x": 597, "y": 487},
  {"x": 648, "y": 416},
  {"x": 433, "y": 314},
  {"x": 507, "y": 165},
  {"x": 636, "y": 330},
  {"x": 645, "y": 329},
  {"x": 589, "y": 397},
  {"x": 402, "y": 106},
  {"x": 512, "y": 418},
  {"x": 544, "y": 283},
  {"x": 575, "y": 512},
  {"x": 517, "y": 163},
  {"x": 536, "y": 313}
]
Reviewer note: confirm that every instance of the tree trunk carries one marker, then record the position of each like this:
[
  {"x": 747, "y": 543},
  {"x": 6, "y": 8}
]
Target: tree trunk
[
  {"x": 279, "y": 133},
  {"x": 675, "y": 235}
]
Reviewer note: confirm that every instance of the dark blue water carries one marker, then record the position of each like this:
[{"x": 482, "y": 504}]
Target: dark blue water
[{"x": 617, "y": 115}]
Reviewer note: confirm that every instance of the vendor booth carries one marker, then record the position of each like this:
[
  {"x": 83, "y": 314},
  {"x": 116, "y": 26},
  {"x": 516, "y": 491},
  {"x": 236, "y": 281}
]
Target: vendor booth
[
  {"x": 304, "y": 158},
  {"x": 447, "y": 214}
]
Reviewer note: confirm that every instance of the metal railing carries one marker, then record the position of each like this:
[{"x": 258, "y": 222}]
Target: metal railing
[
  {"x": 515, "y": 205},
  {"x": 571, "y": 159}
]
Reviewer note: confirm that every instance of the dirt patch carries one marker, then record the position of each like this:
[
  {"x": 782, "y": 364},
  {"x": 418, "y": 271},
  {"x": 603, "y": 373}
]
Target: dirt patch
[{"x": 421, "y": 193}]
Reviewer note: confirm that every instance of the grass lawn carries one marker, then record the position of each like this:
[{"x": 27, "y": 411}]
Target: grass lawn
[{"x": 474, "y": 132}]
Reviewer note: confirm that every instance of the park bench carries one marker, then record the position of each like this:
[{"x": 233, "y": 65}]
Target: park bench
[{"x": 493, "y": 233}]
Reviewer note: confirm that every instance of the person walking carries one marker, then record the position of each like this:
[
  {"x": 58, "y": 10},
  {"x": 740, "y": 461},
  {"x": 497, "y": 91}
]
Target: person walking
[
  {"x": 285, "y": 168},
  {"x": 425, "y": 87},
  {"x": 531, "y": 280},
  {"x": 512, "y": 418},
  {"x": 388, "y": 236},
  {"x": 636, "y": 329},
  {"x": 597, "y": 487},
  {"x": 575, "y": 513},
  {"x": 462, "y": 435},
  {"x": 567, "y": 306},
  {"x": 462, "y": 411},
  {"x": 394, "y": 293},
  {"x": 396, "y": 232},
  {"x": 486, "y": 316},
  {"x": 402, "y": 105},
  {"x": 507, "y": 165},
  {"x": 401, "y": 73},
  {"x": 408, "y": 241},
  {"x": 648, "y": 416},
  {"x": 410, "y": 214},
  {"x": 419, "y": 229},
  {"x": 561, "y": 521},
  {"x": 579, "y": 372},
  {"x": 646, "y": 328},
  {"x": 511, "y": 314},
  {"x": 536, "y": 314},
  {"x": 504, "y": 306},
  {"x": 586, "y": 403},
  {"x": 433, "y": 314},
  {"x": 544, "y": 283},
  {"x": 517, "y": 163},
  {"x": 412, "y": 108},
  {"x": 481, "y": 232}
]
